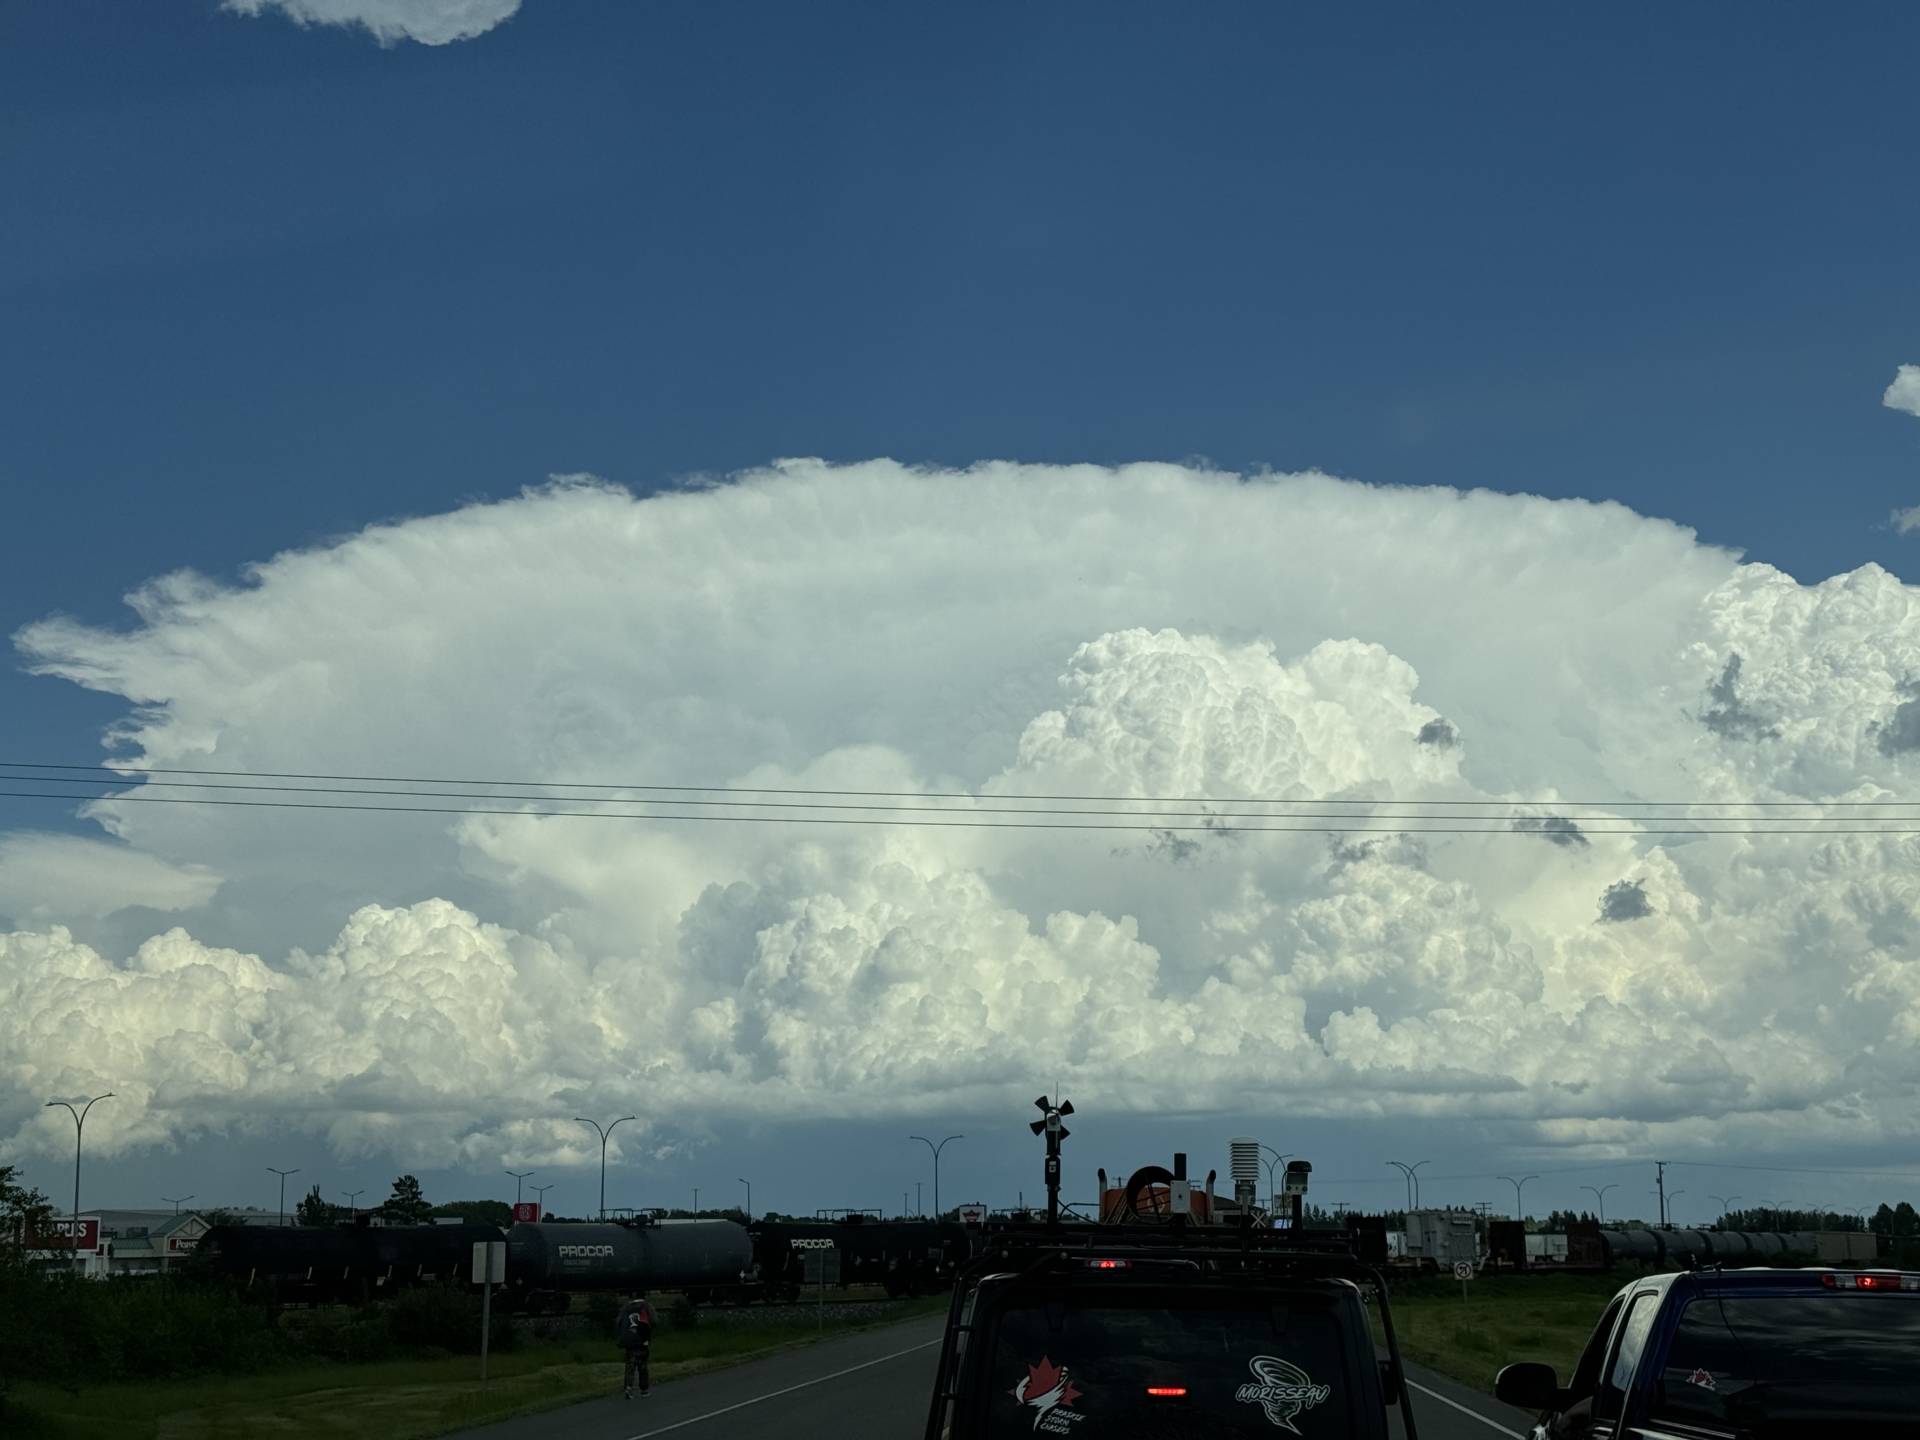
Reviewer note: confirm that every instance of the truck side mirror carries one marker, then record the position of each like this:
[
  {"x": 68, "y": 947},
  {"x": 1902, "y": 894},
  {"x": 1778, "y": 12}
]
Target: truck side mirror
[{"x": 1528, "y": 1386}]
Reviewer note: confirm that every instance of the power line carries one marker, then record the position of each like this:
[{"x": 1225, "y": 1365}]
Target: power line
[
  {"x": 1499, "y": 829},
  {"x": 1636, "y": 821},
  {"x": 123, "y": 771}
]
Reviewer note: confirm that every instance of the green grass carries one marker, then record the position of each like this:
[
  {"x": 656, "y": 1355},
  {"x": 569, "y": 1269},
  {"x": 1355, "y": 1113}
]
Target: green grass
[
  {"x": 1503, "y": 1319},
  {"x": 397, "y": 1400}
]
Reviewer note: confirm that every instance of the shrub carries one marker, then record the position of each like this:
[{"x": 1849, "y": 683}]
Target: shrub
[{"x": 683, "y": 1314}]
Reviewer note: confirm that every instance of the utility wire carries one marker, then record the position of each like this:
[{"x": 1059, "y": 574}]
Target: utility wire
[
  {"x": 1634, "y": 820},
  {"x": 1492, "y": 828},
  {"x": 123, "y": 772}
]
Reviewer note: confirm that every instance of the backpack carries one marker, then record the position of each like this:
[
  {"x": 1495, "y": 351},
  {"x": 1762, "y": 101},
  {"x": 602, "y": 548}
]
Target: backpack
[{"x": 636, "y": 1328}]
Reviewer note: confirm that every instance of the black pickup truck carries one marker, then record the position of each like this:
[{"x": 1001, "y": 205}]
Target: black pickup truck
[
  {"x": 1754, "y": 1354},
  {"x": 1137, "y": 1333}
]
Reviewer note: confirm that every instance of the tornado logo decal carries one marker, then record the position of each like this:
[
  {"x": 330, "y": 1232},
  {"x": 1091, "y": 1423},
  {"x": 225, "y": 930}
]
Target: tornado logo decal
[{"x": 1282, "y": 1389}]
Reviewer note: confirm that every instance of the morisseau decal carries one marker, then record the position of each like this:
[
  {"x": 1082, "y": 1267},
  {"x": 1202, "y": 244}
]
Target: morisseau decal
[{"x": 1282, "y": 1389}]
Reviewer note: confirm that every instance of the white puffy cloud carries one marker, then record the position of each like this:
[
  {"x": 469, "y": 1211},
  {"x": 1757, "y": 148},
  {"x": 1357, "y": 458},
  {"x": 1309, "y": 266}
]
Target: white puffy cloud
[
  {"x": 1010, "y": 632},
  {"x": 431, "y": 22},
  {"x": 1904, "y": 392},
  {"x": 54, "y": 877}
]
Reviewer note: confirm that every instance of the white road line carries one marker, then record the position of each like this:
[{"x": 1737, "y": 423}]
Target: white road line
[
  {"x": 776, "y": 1394},
  {"x": 1490, "y": 1424}
]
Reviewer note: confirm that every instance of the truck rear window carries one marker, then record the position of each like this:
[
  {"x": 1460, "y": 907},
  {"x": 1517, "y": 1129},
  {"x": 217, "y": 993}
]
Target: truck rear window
[
  {"x": 1785, "y": 1365},
  {"x": 1124, "y": 1369}
]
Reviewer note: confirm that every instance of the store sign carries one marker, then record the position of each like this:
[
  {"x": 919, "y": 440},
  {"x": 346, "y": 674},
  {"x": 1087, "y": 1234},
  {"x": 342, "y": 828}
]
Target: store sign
[
  {"x": 527, "y": 1211},
  {"x": 178, "y": 1243},
  {"x": 81, "y": 1234}
]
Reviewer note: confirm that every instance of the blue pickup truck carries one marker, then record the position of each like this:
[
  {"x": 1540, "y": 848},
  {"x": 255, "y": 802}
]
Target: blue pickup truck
[{"x": 1753, "y": 1354}]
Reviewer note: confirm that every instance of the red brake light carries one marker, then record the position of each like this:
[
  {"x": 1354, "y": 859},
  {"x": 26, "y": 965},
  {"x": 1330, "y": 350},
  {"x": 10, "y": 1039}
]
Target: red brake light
[
  {"x": 1110, "y": 1264},
  {"x": 1854, "y": 1280},
  {"x": 1167, "y": 1392}
]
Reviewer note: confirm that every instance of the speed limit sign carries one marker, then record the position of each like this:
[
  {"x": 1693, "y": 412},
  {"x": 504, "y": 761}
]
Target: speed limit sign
[{"x": 1463, "y": 1269}]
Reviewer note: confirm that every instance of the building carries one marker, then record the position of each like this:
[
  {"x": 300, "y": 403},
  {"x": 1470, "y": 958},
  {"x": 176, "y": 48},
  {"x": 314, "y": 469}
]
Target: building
[{"x": 130, "y": 1242}]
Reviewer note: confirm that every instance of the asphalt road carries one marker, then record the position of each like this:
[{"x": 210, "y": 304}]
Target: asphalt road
[{"x": 875, "y": 1386}]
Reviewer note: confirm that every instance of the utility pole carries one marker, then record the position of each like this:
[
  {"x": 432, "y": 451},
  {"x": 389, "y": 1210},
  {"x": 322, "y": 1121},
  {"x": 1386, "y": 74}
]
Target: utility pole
[
  {"x": 79, "y": 1129},
  {"x": 936, "y": 1149},
  {"x": 1519, "y": 1211},
  {"x": 603, "y": 1131},
  {"x": 1660, "y": 1184},
  {"x": 177, "y": 1203},
  {"x": 283, "y": 1189},
  {"x": 1601, "y": 1196},
  {"x": 518, "y": 1176}
]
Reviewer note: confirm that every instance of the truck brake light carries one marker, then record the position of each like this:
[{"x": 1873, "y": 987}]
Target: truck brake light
[
  {"x": 1849, "y": 1280},
  {"x": 1166, "y": 1392}
]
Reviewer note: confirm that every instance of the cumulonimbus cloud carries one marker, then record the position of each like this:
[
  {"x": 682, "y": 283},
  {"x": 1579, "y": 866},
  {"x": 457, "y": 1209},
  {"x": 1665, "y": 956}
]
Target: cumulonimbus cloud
[
  {"x": 1904, "y": 392},
  {"x": 454, "y": 983},
  {"x": 430, "y": 22}
]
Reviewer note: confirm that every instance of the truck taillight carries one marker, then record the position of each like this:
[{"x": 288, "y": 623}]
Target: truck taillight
[
  {"x": 1110, "y": 1264},
  {"x": 1849, "y": 1280},
  {"x": 1166, "y": 1392}
]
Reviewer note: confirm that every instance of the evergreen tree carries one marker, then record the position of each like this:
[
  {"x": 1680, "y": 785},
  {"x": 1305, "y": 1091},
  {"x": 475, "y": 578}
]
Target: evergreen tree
[
  {"x": 406, "y": 1205},
  {"x": 313, "y": 1211}
]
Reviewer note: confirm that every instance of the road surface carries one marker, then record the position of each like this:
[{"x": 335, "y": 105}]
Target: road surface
[{"x": 874, "y": 1386}]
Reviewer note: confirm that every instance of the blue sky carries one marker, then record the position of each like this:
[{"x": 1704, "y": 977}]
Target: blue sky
[{"x": 264, "y": 285}]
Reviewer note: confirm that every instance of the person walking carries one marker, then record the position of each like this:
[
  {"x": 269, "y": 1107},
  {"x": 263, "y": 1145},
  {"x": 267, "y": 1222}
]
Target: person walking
[{"x": 633, "y": 1330}]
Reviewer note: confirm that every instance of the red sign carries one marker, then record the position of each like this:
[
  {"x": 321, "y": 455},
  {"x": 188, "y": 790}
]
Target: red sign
[
  {"x": 177, "y": 1243},
  {"x": 528, "y": 1210},
  {"x": 83, "y": 1234}
]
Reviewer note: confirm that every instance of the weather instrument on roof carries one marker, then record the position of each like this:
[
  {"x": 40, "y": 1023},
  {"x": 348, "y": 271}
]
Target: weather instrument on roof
[{"x": 1049, "y": 1124}]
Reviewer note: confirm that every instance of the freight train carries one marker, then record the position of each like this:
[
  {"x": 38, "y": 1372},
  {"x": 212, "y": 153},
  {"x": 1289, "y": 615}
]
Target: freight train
[
  {"x": 547, "y": 1262},
  {"x": 1592, "y": 1248}
]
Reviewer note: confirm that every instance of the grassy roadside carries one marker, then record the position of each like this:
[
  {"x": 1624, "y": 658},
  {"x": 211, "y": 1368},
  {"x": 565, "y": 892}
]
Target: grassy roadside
[
  {"x": 1503, "y": 1319},
  {"x": 402, "y": 1400}
]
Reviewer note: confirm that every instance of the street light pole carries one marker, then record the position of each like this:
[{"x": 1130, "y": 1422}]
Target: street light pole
[
  {"x": 1413, "y": 1180},
  {"x": 177, "y": 1203},
  {"x": 79, "y": 1129},
  {"x": 540, "y": 1195},
  {"x": 1725, "y": 1202},
  {"x": 283, "y": 1189},
  {"x": 353, "y": 1203},
  {"x": 1672, "y": 1196},
  {"x": 1277, "y": 1158},
  {"x": 518, "y": 1176},
  {"x": 936, "y": 1149},
  {"x": 696, "y": 1201},
  {"x": 749, "y": 1185},
  {"x": 603, "y": 1132},
  {"x": 1601, "y": 1196},
  {"x": 1519, "y": 1206}
]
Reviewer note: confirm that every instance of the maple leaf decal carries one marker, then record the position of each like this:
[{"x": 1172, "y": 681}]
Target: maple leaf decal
[{"x": 1046, "y": 1386}]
